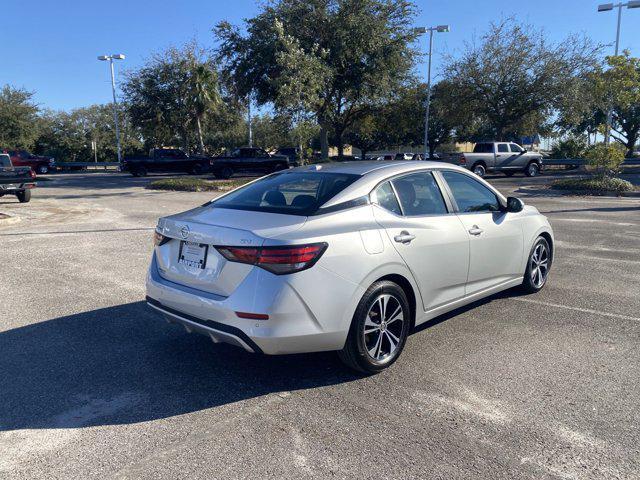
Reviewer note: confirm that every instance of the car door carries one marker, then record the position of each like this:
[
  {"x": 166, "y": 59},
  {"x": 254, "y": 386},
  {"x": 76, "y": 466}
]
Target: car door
[
  {"x": 519, "y": 159},
  {"x": 495, "y": 236},
  {"x": 426, "y": 233},
  {"x": 503, "y": 155}
]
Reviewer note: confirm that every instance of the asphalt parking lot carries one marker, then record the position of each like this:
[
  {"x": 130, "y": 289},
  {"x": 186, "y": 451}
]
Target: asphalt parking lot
[{"x": 95, "y": 385}]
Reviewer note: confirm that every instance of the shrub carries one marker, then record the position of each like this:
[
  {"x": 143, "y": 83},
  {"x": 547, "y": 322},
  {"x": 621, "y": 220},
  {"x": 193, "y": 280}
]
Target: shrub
[
  {"x": 605, "y": 159},
  {"x": 572, "y": 147},
  {"x": 190, "y": 184},
  {"x": 596, "y": 185}
]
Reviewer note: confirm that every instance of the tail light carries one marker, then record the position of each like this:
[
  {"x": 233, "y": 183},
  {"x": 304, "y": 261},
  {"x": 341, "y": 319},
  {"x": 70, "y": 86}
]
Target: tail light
[
  {"x": 159, "y": 239},
  {"x": 463, "y": 159},
  {"x": 280, "y": 260},
  {"x": 32, "y": 174}
]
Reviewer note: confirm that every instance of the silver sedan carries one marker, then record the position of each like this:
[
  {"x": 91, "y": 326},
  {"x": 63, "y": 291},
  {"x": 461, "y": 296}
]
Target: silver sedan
[{"x": 347, "y": 257}]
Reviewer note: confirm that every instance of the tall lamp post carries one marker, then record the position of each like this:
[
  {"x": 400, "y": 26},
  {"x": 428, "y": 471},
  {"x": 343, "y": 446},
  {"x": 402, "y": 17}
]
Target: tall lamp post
[
  {"x": 606, "y": 7},
  {"x": 423, "y": 30},
  {"x": 111, "y": 58}
]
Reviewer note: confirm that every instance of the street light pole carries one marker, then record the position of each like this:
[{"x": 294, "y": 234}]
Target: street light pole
[
  {"x": 422, "y": 30},
  {"x": 111, "y": 58},
  {"x": 426, "y": 115},
  {"x": 606, "y": 7}
]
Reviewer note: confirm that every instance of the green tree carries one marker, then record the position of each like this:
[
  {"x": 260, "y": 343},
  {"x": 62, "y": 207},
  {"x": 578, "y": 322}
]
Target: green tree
[
  {"x": 360, "y": 50},
  {"x": 619, "y": 87},
  {"x": 513, "y": 81},
  {"x": 18, "y": 118},
  {"x": 169, "y": 97}
]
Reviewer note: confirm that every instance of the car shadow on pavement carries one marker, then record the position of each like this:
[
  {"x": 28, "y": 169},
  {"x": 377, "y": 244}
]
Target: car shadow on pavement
[{"x": 125, "y": 364}]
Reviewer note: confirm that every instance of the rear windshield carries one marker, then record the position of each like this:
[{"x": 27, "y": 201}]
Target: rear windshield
[
  {"x": 292, "y": 193},
  {"x": 483, "y": 148}
]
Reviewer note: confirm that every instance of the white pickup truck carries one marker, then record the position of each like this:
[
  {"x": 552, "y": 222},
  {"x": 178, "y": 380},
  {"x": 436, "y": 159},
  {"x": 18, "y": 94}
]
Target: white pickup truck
[{"x": 505, "y": 157}]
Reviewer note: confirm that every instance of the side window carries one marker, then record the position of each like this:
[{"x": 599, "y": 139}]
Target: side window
[
  {"x": 515, "y": 148},
  {"x": 469, "y": 194},
  {"x": 386, "y": 198},
  {"x": 419, "y": 194},
  {"x": 503, "y": 147}
]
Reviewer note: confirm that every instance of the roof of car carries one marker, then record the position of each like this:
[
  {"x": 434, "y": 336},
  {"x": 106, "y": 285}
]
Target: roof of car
[
  {"x": 372, "y": 173},
  {"x": 366, "y": 167}
]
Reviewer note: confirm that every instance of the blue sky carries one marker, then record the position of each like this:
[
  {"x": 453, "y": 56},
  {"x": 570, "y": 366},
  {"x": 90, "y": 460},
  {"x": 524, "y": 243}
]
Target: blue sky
[{"x": 50, "y": 47}]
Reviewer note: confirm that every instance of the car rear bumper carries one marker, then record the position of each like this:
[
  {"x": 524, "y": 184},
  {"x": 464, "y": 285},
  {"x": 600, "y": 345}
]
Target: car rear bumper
[{"x": 292, "y": 327}]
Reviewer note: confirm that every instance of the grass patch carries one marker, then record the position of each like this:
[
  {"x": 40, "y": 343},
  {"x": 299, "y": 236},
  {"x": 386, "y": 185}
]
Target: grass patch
[
  {"x": 595, "y": 185},
  {"x": 190, "y": 184}
]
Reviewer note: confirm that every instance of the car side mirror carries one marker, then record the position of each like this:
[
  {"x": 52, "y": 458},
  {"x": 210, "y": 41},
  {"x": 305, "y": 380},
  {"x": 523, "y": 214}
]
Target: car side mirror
[{"x": 514, "y": 205}]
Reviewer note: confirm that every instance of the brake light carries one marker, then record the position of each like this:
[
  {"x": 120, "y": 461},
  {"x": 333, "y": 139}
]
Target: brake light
[
  {"x": 32, "y": 174},
  {"x": 159, "y": 239},
  {"x": 280, "y": 260},
  {"x": 463, "y": 159}
]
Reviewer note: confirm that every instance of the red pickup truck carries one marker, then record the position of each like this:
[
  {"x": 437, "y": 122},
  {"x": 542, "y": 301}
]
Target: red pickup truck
[{"x": 39, "y": 164}]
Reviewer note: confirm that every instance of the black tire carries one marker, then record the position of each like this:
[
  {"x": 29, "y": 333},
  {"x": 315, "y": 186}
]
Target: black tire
[
  {"x": 531, "y": 283},
  {"x": 139, "y": 172},
  {"x": 280, "y": 166},
  {"x": 532, "y": 170},
  {"x": 225, "y": 173},
  {"x": 197, "y": 169},
  {"x": 479, "y": 169},
  {"x": 356, "y": 352},
  {"x": 43, "y": 169},
  {"x": 24, "y": 196}
]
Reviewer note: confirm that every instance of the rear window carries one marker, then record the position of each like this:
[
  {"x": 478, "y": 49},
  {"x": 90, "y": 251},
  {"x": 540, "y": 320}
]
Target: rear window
[
  {"x": 291, "y": 193},
  {"x": 483, "y": 148}
]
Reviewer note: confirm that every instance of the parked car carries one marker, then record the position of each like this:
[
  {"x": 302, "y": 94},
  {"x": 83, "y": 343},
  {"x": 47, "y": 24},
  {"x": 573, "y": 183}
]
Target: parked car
[
  {"x": 39, "y": 164},
  {"x": 248, "y": 160},
  {"x": 403, "y": 156},
  {"x": 292, "y": 154},
  {"x": 16, "y": 181},
  {"x": 166, "y": 160},
  {"x": 506, "y": 157},
  {"x": 344, "y": 256}
]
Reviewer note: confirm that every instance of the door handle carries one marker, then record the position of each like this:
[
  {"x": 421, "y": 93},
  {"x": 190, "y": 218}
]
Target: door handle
[
  {"x": 475, "y": 230},
  {"x": 404, "y": 237}
]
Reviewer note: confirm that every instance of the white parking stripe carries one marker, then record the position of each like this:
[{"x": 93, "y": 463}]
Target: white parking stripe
[{"x": 578, "y": 309}]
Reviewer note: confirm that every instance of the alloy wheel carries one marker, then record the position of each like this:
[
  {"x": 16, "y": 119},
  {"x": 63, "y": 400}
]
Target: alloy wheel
[
  {"x": 383, "y": 327},
  {"x": 539, "y": 265}
]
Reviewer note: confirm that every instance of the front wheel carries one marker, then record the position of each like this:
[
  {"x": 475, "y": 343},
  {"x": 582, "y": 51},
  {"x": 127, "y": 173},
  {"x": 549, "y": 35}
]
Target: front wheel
[
  {"x": 226, "y": 173},
  {"x": 42, "y": 169},
  {"x": 24, "y": 196},
  {"x": 533, "y": 170},
  {"x": 379, "y": 329},
  {"x": 538, "y": 266}
]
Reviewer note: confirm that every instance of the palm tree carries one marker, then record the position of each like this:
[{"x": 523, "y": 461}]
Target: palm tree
[{"x": 205, "y": 94}]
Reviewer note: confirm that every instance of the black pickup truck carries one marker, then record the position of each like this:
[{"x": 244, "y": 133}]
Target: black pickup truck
[
  {"x": 166, "y": 160},
  {"x": 16, "y": 181},
  {"x": 248, "y": 159}
]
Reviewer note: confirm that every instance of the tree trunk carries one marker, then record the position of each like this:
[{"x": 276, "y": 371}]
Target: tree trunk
[
  {"x": 324, "y": 141},
  {"x": 200, "y": 139},
  {"x": 340, "y": 145}
]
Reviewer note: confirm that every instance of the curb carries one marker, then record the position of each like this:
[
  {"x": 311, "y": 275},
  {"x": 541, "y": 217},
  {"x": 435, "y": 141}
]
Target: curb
[{"x": 579, "y": 193}]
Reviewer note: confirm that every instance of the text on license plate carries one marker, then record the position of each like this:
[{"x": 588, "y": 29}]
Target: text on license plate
[{"x": 193, "y": 254}]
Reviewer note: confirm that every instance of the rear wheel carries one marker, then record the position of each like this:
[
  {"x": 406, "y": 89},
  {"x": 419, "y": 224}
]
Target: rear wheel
[
  {"x": 479, "y": 169},
  {"x": 538, "y": 266},
  {"x": 532, "y": 170},
  {"x": 226, "y": 173},
  {"x": 197, "y": 169},
  {"x": 24, "y": 196},
  {"x": 42, "y": 169},
  {"x": 379, "y": 329}
]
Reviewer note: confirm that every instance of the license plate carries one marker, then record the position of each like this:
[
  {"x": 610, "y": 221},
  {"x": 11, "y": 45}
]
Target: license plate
[{"x": 193, "y": 254}]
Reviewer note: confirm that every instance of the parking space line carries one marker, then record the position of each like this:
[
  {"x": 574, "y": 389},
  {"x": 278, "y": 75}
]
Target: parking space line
[{"x": 578, "y": 309}]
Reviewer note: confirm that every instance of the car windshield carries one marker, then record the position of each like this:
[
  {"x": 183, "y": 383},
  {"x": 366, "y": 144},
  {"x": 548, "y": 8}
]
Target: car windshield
[{"x": 292, "y": 193}]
